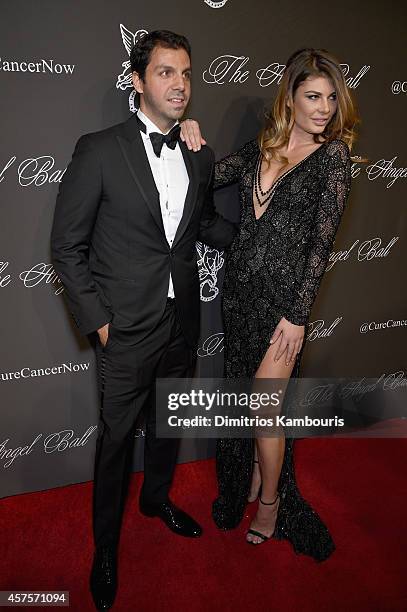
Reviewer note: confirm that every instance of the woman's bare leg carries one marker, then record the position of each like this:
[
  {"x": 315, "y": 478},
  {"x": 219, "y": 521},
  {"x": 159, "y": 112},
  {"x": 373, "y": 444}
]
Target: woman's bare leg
[
  {"x": 256, "y": 478},
  {"x": 270, "y": 452}
]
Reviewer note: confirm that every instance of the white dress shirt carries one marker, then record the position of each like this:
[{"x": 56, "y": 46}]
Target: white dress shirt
[{"x": 171, "y": 179}]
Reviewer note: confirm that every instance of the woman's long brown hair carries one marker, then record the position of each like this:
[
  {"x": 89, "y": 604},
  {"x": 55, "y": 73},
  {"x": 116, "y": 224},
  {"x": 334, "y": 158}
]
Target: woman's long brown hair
[{"x": 301, "y": 65}]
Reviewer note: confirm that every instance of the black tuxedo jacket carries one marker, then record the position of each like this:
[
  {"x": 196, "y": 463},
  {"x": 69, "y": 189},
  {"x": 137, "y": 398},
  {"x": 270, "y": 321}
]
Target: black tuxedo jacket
[{"x": 108, "y": 242}]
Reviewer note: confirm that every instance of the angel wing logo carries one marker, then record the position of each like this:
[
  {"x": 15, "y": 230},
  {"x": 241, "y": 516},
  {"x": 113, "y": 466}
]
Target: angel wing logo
[
  {"x": 215, "y": 5},
  {"x": 124, "y": 80},
  {"x": 209, "y": 263}
]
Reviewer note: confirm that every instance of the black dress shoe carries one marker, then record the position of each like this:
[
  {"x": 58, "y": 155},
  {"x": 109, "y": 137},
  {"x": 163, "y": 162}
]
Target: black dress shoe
[
  {"x": 177, "y": 520},
  {"x": 103, "y": 578}
]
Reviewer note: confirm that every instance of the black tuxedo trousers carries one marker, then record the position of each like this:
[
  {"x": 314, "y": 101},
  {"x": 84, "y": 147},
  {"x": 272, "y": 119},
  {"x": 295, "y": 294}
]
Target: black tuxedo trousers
[{"x": 127, "y": 381}]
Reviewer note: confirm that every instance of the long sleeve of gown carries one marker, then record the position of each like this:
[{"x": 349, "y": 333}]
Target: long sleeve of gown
[
  {"x": 229, "y": 169},
  {"x": 332, "y": 204}
]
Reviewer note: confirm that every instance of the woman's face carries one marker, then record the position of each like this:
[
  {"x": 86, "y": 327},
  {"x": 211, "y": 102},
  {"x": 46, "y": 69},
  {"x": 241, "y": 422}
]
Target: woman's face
[{"x": 314, "y": 104}]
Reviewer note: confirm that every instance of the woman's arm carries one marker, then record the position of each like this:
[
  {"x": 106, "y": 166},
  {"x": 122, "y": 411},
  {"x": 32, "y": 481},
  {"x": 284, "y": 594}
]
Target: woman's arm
[
  {"x": 328, "y": 216},
  {"x": 229, "y": 169}
]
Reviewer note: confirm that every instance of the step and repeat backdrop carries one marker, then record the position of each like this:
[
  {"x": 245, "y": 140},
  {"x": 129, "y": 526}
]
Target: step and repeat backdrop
[{"x": 65, "y": 71}]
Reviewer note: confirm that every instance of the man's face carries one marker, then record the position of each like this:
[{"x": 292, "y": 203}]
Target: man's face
[{"x": 166, "y": 88}]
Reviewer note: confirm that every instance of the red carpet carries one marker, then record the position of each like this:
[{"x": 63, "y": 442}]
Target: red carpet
[{"x": 358, "y": 487}]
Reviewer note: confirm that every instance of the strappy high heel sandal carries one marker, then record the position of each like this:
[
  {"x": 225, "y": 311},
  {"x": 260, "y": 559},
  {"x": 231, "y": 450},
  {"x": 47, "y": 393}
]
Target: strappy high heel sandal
[
  {"x": 263, "y": 537},
  {"x": 250, "y": 500}
]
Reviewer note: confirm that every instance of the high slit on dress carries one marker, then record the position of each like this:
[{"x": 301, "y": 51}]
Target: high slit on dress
[{"x": 274, "y": 268}]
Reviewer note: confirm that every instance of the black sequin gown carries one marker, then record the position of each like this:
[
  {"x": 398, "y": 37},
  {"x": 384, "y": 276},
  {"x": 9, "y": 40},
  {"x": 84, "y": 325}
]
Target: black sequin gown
[{"x": 273, "y": 270}]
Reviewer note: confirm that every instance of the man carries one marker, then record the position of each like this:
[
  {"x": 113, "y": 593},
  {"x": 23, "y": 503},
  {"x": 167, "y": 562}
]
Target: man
[{"x": 131, "y": 206}]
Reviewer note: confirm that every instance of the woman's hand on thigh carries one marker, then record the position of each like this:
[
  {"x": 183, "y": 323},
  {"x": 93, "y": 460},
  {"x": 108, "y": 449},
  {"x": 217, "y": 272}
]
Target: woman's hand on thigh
[{"x": 290, "y": 339}]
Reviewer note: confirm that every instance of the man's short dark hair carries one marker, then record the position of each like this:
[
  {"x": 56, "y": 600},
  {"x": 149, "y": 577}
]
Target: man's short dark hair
[{"x": 141, "y": 52}]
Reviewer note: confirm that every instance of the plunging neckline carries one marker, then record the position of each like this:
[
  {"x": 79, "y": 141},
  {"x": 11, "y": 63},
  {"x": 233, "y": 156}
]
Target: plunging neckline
[{"x": 276, "y": 181}]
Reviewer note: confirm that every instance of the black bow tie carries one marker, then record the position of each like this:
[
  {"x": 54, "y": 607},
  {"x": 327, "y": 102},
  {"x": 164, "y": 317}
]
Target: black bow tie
[{"x": 157, "y": 139}]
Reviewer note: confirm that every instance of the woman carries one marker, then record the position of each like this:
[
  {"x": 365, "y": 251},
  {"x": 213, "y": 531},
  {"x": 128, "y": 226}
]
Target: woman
[{"x": 294, "y": 181}]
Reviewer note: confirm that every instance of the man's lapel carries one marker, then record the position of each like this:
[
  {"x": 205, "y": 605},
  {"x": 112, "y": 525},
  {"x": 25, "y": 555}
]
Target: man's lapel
[
  {"x": 192, "y": 165},
  {"x": 134, "y": 153}
]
